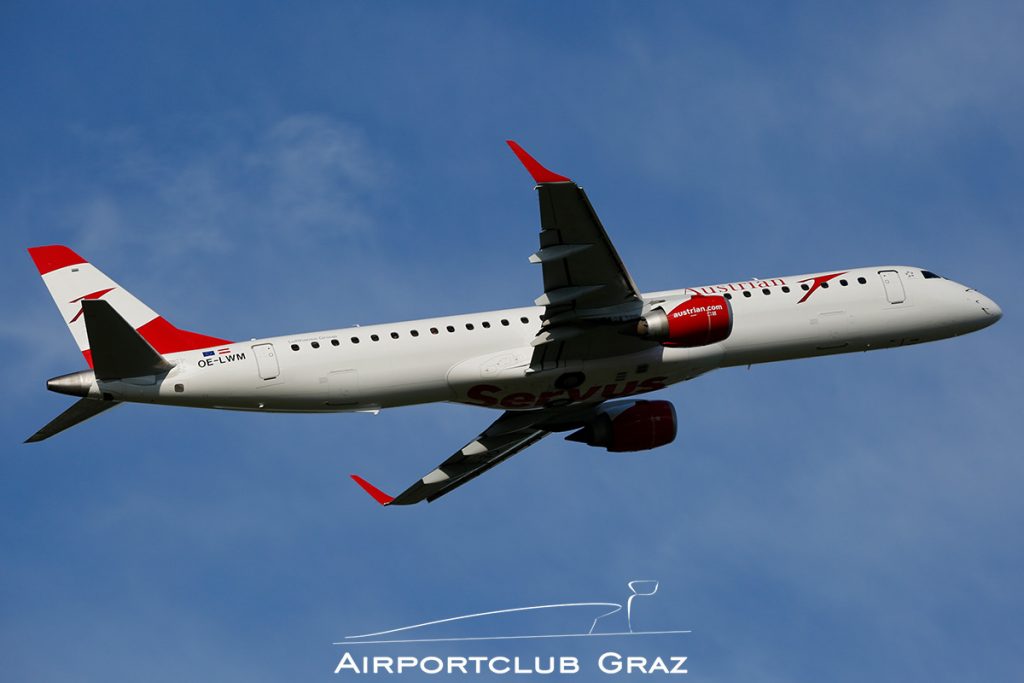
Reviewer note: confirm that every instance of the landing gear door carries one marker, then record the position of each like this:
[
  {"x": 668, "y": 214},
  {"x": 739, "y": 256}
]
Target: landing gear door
[
  {"x": 266, "y": 361},
  {"x": 893, "y": 286}
]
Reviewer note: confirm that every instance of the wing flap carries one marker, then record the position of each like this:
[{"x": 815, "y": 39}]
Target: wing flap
[
  {"x": 566, "y": 295},
  {"x": 559, "y": 252}
]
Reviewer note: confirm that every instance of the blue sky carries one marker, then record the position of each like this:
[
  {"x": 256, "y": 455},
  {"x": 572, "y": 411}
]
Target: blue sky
[{"x": 251, "y": 169}]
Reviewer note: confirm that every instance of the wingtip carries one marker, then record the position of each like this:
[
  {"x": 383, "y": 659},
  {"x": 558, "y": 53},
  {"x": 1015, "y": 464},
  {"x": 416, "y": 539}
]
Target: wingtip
[
  {"x": 539, "y": 173},
  {"x": 375, "y": 493}
]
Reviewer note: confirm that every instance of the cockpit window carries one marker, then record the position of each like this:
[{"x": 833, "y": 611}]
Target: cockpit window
[{"x": 929, "y": 275}]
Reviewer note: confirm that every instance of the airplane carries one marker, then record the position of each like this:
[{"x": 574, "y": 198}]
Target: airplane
[{"x": 579, "y": 361}]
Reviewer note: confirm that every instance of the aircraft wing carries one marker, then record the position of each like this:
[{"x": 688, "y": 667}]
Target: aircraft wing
[
  {"x": 581, "y": 268},
  {"x": 510, "y": 434},
  {"x": 589, "y": 297}
]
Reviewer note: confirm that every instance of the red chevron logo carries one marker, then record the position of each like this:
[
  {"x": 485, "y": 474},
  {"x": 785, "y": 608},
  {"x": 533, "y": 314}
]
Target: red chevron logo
[
  {"x": 93, "y": 295},
  {"x": 817, "y": 282}
]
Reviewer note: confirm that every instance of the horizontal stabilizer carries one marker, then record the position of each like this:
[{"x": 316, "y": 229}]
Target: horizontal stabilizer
[
  {"x": 78, "y": 412},
  {"x": 118, "y": 350}
]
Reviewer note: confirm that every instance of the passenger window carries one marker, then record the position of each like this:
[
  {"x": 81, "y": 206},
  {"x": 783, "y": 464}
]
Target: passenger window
[
  {"x": 295, "y": 347},
  {"x": 843, "y": 283},
  {"x": 485, "y": 325},
  {"x": 862, "y": 281},
  {"x": 315, "y": 345},
  {"x": 746, "y": 294},
  {"x": 469, "y": 326},
  {"x": 335, "y": 342},
  {"x": 785, "y": 290},
  {"x": 804, "y": 287},
  {"x": 766, "y": 291},
  {"x": 728, "y": 295},
  {"x": 525, "y": 320},
  {"x": 433, "y": 330},
  {"x": 504, "y": 322},
  {"x": 414, "y": 333},
  {"x": 394, "y": 335},
  {"x": 824, "y": 285},
  {"x": 374, "y": 337},
  {"x": 450, "y": 328},
  {"x": 355, "y": 340}
]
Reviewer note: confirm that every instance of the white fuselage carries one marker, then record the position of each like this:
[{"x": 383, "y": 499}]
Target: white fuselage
[{"x": 484, "y": 358}]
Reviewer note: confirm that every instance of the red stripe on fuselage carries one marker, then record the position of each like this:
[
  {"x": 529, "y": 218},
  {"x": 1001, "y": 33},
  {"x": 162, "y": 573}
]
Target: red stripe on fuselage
[{"x": 166, "y": 338}]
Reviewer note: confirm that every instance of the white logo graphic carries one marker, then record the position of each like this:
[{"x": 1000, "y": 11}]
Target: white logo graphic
[{"x": 419, "y": 633}]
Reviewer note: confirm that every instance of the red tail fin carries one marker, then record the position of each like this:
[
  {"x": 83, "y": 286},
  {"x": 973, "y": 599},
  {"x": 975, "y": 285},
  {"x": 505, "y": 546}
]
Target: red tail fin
[{"x": 71, "y": 279}]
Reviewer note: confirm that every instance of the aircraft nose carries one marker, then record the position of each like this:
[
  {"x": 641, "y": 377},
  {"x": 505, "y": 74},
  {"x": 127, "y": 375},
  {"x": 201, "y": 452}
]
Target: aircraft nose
[{"x": 989, "y": 309}]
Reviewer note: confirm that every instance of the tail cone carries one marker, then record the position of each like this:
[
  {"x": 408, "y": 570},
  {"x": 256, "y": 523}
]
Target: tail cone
[{"x": 74, "y": 384}]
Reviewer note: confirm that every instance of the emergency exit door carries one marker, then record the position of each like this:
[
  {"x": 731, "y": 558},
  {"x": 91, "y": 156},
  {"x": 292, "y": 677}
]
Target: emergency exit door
[{"x": 266, "y": 361}]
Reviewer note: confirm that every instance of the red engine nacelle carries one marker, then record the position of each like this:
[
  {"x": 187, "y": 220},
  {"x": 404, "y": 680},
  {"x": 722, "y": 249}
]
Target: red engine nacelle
[
  {"x": 640, "y": 427},
  {"x": 698, "y": 321}
]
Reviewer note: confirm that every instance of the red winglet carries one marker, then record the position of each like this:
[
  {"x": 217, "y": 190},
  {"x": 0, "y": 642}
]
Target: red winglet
[
  {"x": 375, "y": 493},
  {"x": 53, "y": 257},
  {"x": 539, "y": 173}
]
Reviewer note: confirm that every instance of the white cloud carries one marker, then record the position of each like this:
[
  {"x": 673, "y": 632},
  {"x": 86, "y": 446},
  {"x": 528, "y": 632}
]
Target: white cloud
[{"x": 288, "y": 183}]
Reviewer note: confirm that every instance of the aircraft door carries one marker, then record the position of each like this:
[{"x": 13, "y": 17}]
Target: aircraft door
[
  {"x": 893, "y": 286},
  {"x": 266, "y": 361}
]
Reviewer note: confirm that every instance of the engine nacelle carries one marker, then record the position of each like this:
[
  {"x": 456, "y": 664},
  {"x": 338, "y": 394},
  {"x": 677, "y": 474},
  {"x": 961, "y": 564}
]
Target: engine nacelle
[
  {"x": 630, "y": 426},
  {"x": 698, "y": 321}
]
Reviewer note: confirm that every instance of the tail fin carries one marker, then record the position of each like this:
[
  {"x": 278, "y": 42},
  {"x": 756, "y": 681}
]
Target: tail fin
[{"x": 72, "y": 280}]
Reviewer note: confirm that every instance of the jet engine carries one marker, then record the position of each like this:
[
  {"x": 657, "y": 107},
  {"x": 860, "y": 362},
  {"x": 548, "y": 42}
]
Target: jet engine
[
  {"x": 625, "y": 426},
  {"x": 698, "y": 321}
]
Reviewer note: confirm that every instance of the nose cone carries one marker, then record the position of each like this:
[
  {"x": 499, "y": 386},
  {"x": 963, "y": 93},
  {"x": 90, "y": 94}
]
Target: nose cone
[
  {"x": 988, "y": 311},
  {"x": 990, "y": 307}
]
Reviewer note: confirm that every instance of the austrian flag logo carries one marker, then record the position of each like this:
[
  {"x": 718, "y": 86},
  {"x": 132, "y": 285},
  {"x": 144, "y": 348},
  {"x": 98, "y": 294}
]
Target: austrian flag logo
[{"x": 219, "y": 357}]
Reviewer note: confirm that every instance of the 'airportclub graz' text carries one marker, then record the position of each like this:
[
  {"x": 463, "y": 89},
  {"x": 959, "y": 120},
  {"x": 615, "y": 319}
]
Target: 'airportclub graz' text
[{"x": 609, "y": 663}]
